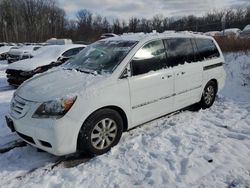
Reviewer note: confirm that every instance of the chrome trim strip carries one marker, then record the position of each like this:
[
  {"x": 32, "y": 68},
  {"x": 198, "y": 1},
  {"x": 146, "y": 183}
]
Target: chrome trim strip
[{"x": 164, "y": 97}]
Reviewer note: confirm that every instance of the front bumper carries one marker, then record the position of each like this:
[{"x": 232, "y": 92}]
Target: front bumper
[
  {"x": 12, "y": 60},
  {"x": 15, "y": 78},
  {"x": 58, "y": 137}
]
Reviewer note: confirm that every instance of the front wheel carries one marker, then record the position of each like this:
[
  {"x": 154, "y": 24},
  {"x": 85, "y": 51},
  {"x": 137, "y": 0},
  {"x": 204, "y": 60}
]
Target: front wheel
[
  {"x": 208, "y": 95},
  {"x": 101, "y": 131}
]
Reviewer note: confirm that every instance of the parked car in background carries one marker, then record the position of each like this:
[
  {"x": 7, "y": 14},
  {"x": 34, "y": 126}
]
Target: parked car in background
[
  {"x": 214, "y": 33},
  {"x": 45, "y": 58},
  {"x": 3, "y": 44},
  {"x": 245, "y": 32},
  {"x": 232, "y": 32},
  {"x": 24, "y": 52},
  {"x": 108, "y": 35},
  {"x": 82, "y": 42},
  {"x": 55, "y": 41},
  {"x": 4, "y": 51},
  {"x": 114, "y": 85}
]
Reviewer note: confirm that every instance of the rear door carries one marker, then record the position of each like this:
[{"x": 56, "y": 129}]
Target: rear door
[
  {"x": 208, "y": 54},
  {"x": 151, "y": 84},
  {"x": 187, "y": 72}
]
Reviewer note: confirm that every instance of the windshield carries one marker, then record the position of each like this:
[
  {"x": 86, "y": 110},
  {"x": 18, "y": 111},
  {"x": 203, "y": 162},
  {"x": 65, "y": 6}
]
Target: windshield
[{"x": 101, "y": 56}]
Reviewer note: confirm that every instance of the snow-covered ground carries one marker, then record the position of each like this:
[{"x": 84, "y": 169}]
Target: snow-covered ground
[{"x": 209, "y": 148}]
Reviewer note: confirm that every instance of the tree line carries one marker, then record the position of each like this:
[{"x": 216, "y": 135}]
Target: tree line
[{"x": 39, "y": 20}]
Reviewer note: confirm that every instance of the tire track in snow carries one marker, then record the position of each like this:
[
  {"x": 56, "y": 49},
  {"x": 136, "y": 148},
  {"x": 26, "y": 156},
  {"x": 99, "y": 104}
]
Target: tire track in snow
[{"x": 12, "y": 145}]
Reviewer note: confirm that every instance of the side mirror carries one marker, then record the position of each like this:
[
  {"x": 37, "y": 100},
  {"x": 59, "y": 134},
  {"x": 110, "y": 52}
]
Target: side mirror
[
  {"x": 63, "y": 59},
  {"x": 125, "y": 74},
  {"x": 60, "y": 58}
]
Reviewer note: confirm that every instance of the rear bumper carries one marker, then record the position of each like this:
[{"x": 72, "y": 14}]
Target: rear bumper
[{"x": 58, "y": 137}]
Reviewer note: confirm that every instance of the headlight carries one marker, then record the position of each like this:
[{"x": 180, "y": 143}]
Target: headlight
[
  {"x": 54, "y": 109},
  {"x": 38, "y": 70}
]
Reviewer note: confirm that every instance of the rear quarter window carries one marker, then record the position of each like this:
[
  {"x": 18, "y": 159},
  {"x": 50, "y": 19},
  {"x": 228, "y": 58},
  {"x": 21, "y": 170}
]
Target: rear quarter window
[{"x": 206, "y": 49}]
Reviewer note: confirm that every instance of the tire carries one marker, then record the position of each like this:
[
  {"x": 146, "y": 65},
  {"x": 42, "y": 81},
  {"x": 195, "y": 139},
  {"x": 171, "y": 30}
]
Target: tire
[
  {"x": 93, "y": 139},
  {"x": 208, "y": 95}
]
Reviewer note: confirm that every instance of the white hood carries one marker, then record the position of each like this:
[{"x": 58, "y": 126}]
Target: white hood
[
  {"x": 56, "y": 84},
  {"x": 30, "y": 64},
  {"x": 5, "y": 49}
]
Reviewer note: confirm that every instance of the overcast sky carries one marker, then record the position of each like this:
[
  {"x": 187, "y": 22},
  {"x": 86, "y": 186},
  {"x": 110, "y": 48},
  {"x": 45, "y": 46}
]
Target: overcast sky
[{"x": 124, "y": 9}]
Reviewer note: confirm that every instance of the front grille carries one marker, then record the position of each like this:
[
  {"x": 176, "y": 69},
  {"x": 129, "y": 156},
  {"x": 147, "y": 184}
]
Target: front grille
[
  {"x": 14, "y": 56},
  {"x": 19, "y": 107}
]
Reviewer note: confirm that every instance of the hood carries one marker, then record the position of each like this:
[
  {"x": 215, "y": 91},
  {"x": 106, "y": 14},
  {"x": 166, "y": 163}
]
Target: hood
[
  {"x": 5, "y": 49},
  {"x": 57, "y": 83},
  {"x": 16, "y": 52},
  {"x": 30, "y": 64}
]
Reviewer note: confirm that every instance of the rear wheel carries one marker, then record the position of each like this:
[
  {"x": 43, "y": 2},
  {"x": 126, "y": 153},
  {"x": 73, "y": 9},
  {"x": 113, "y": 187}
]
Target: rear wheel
[
  {"x": 208, "y": 95},
  {"x": 101, "y": 131}
]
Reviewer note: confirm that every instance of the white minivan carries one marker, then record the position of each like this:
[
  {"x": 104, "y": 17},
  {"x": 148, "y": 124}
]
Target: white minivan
[{"x": 114, "y": 85}]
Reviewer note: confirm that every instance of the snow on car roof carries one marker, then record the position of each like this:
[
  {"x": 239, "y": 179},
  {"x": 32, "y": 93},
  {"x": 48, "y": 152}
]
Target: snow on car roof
[
  {"x": 155, "y": 35},
  {"x": 55, "y": 50},
  {"x": 232, "y": 30}
]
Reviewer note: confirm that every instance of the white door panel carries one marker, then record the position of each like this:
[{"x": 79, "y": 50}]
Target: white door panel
[
  {"x": 188, "y": 83},
  {"x": 151, "y": 95}
]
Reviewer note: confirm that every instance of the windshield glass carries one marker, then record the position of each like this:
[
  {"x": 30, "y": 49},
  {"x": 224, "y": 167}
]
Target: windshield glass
[{"x": 101, "y": 56}]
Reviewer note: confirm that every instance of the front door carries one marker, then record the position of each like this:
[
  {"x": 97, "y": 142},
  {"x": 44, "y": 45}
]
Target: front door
[{"x": 151, "y": 84}]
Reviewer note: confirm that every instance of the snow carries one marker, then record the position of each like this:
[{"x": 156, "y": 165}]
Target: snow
[
  {"x": 59, "y": 82},
  {"x": 232, "y": 30},
  {"x": 6, "y": 49},
  {"x": 247, "y": 28},
  {"x": 153, "y": 35},
  {"x": 5, "y": 97},
  {"x": 209, "y": 148},
  {"x": 22, "y": 50},
  {"x": 213, "y": 33}
]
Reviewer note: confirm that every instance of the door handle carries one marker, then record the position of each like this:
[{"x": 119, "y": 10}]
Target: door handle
[
  {"x": 180, "y": 73},
  {"x": 167, "y": 76}
]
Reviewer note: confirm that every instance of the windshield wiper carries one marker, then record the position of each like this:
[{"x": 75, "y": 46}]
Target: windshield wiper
[{"x": 86, "y": 71}]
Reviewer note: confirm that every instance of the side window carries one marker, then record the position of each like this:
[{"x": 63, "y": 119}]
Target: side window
[
  {"x": 72, "y": 52},
  {"x": 179, "y": 51},
  {"x": 206, "y": 49},
  {"x": 77, "y": 50},
  {"x": 151, "y": 57},
  {"x": 36, "y": 48},
  {"x": 68, "y": 53}
]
